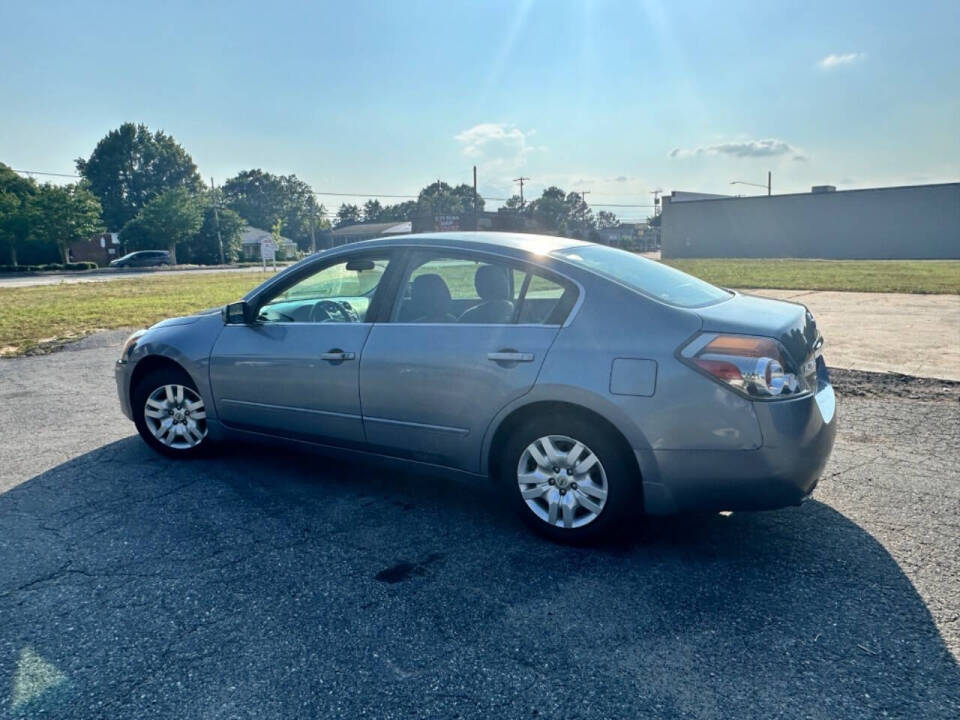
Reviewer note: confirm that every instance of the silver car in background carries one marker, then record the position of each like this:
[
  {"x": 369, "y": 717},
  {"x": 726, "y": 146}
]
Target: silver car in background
[{"x": 594, "y": 385}]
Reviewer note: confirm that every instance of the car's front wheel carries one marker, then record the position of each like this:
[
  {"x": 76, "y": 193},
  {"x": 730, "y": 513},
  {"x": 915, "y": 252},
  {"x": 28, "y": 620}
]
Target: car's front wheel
[
  {"x": 570, "y": 478},
  {"x": 169, "y": 413}
]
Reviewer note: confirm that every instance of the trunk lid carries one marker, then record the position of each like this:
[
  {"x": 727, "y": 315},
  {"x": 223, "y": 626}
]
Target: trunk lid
[{"x": 788, "y": 322}]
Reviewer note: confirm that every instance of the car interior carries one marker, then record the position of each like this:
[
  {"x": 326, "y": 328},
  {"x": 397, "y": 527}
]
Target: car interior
[{"x": 436, "y": 290}]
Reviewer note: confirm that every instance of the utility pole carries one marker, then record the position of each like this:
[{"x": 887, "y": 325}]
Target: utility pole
[
  {"x": 656, "y": 201},
  {"x": 313, "y": 236},
  {"x": 769, "y": 182},
  {"x": 521, "y": 180},
  {"x": 216, "y": 218},
  {"x": 476, "y": 219}
]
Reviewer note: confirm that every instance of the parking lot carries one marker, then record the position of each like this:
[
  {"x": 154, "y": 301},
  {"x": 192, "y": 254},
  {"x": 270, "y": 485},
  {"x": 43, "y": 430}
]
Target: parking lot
[{"x": 270, "y": 583}]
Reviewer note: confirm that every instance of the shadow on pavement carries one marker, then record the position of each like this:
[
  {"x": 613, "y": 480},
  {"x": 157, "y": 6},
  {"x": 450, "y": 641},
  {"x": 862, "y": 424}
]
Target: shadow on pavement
[{"x": 274, "y": 584}]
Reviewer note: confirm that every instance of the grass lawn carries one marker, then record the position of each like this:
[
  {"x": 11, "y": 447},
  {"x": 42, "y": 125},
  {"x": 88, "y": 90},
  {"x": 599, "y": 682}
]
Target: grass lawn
[
  {"x": 903, "y": 276},
  {"x": 41, "y": 317}
]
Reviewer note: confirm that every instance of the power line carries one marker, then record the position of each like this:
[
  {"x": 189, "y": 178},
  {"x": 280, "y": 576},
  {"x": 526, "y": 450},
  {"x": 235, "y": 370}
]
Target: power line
[
  {"x": 374, "y": 195},
  {"x": 51, "y": 174}
]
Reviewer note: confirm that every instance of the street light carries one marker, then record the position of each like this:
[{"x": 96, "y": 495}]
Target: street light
[{"x": 744, "y": 182}]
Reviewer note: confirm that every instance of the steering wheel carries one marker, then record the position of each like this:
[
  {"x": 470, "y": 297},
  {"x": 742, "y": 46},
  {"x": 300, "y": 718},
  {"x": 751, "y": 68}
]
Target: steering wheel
[{"x": 329, "y": 310}]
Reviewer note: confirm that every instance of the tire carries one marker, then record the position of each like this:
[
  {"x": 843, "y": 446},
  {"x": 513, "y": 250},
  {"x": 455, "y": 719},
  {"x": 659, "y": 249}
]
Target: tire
[
  {"x": 177, "y": 411},
  {"x": 609, "y": 481}
]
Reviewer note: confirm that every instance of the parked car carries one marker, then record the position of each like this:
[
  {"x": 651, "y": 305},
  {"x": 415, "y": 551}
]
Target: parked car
[
  {"x": 593, "y": 384},
  {"x": 143, "y": 258}
]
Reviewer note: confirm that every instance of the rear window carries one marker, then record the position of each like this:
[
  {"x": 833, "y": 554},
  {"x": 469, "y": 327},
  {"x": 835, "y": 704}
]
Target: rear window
[{"x": 649, "y": 277}]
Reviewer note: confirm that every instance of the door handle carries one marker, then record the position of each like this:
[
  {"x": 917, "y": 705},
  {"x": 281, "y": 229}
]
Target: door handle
[
  {"x": 337, "y": 356},
  {"x": 510, "y": 357}
]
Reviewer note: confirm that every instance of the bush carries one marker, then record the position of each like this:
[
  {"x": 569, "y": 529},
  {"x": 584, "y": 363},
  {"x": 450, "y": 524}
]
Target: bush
[
  {"x": 50, "y": 266},
  {"x": 17, "y": 268},
  {"x": 81, "y": 265}
]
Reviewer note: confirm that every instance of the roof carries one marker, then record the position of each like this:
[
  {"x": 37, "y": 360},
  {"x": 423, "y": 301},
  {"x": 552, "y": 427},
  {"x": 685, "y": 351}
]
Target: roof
[
  {"x": 834, "y": 194},
  {"x": 523, "y": 242},
  {"x": 254, "y": 236},
  {"x": 376, "y": 228}
]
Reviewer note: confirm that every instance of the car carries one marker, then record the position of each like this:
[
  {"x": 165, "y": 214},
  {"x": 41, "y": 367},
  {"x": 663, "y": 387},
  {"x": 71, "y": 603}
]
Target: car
[
  {"x": 143, "y": 258},
  {"x": 594, "y": 385}
]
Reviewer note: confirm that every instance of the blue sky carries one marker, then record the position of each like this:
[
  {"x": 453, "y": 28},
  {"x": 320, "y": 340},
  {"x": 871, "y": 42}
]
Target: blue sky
[{"x": 618, "y": 98}]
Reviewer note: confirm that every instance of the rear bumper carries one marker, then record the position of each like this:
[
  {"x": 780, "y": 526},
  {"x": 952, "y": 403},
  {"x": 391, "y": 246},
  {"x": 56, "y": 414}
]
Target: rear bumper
[{"x": 798, "y": 436}]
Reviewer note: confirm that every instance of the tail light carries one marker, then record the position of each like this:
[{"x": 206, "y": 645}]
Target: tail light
[{"x": 753, "y": 366}]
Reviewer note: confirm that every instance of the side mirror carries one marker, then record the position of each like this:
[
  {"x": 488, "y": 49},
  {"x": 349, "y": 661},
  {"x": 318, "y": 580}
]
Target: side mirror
[{"x": 237, "y": 313}]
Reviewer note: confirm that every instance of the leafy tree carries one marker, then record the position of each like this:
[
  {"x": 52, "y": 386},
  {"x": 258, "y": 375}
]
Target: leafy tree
[
  {"x": 64, "y": 214},
  {"x": 372, "y": 210},
  {"x": 563, "y": 213},
  {"x": 15, "y": 194},
  {"x": 347, "y": 215},
  {"x": 399, "y": 212},
  {"x": 442, "y": 199},
  {"x": 204, "y": 247},
  {"x": 606, "y": 219},
  {"x": 262, "y": 198},
  {"x": 171, "y": 218},
  {"x": 130, "y": 166}
]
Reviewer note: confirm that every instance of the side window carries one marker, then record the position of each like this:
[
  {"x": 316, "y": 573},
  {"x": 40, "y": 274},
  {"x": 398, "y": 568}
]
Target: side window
[
  {"x": 542, "y": 300},
  {"x": 336, "y": 293},
  {"x": 456, "y": 289},
  {"x": 460, "y": 289}
]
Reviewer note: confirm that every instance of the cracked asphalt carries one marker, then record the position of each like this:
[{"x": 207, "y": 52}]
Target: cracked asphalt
[{"x": 268, "y": 583}]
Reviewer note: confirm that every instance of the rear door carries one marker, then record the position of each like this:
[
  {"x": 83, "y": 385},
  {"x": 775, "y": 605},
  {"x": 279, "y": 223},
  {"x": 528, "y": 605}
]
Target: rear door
[{"x": 453, "y": 352}]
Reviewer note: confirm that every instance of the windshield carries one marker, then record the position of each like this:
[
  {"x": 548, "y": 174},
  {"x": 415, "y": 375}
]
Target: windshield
[{"x": 646, "y": 276}]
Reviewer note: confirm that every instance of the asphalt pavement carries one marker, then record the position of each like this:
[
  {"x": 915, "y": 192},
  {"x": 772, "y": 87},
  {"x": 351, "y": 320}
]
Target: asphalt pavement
[{"x": 268, "y": 583}]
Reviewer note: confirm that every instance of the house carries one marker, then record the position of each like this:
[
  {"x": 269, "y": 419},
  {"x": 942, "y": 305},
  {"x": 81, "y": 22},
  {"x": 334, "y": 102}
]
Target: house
[
  {"x": 100, "y": 249},
  {"x": 367, "y": 231},
  {"x": 251, "y": 237}
]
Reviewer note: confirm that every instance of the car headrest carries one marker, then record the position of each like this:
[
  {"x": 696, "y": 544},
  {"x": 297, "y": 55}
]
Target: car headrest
[
  {"x": 492, "y": 283},
  {"x": 430, "y": 291}
]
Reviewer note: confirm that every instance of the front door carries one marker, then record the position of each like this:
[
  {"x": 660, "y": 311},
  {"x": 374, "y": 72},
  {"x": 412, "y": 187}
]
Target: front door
[
  {"x": 459, "y": 347},
  {"x": 295, "y": 371}
]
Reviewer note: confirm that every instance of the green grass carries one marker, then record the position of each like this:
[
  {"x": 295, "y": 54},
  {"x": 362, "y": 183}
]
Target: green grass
[
  {"x": 45, "y": 316},
  {"x": 33, "y": 319},
  {"x": 903, "y": 276}
]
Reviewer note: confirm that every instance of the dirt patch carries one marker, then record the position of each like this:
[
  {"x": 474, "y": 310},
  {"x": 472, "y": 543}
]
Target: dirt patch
[{"x": 860, "y": 383}]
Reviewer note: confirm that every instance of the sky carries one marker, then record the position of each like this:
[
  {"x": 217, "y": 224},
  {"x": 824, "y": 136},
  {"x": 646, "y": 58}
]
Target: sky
[{"x": 618, "y": 98}]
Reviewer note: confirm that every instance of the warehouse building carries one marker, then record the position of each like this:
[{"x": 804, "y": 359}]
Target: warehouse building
[{"x": 910, "y": 222}]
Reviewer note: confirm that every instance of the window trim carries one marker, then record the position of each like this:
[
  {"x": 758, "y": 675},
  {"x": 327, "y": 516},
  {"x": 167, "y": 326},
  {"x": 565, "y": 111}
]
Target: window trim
[{"x": 392, "y": 307}]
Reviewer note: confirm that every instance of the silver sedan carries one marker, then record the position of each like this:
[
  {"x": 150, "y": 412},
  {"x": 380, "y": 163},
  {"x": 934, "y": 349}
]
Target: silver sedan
[{"x": 594, "y": 385}]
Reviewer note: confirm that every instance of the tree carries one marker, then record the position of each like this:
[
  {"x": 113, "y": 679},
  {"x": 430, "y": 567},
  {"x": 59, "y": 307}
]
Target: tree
[
  {"x": 204, "y": 247},
  {"x": 372, "y": 210},
  {"x": 64, "y": 214},
  {"x": 347, "y": 215},
  {"x": 15, "y": 194},
  {"x": 440, "y": 198},
  {"x": 606, "y": 219},
  {"x": 262, "y": 198},
  {"x": 130, "y": 166},
  {"x": 171, "y": 218},
  {"x": 563, "y": 213},
  {"x": 399, "y": 212}
]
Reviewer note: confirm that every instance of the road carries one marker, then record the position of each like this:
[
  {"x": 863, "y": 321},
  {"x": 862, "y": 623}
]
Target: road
[
  {"x": 270, "y": 583},
  {"x": 105, "y": 275}
]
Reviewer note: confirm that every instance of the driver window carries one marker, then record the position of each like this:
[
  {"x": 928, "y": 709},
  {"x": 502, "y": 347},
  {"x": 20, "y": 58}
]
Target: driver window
[{"x": 337, "y": 293}]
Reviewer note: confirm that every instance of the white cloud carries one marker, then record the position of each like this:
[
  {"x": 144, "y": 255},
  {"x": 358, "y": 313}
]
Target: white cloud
[
  {"x": 742, "y": 149},
  {"x": 496, "y": 145},
  {"x": 833, "y": 60}
]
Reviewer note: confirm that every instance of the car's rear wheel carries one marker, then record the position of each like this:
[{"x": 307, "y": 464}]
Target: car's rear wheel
[
  {"x": 570, "y": 478},
  {"x": 169, "y": 413}
]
